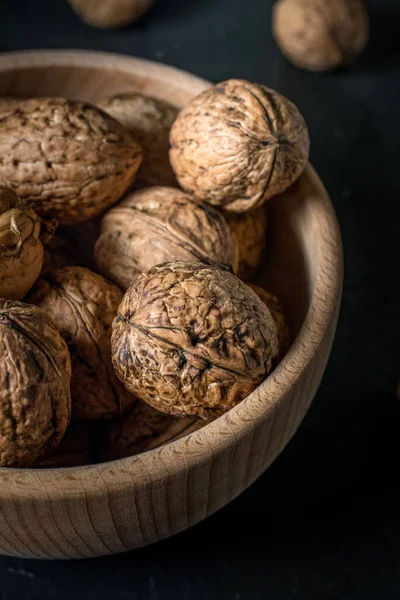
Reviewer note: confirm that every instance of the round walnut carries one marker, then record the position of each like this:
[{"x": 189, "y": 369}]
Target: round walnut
[
  {"x": 73, "y": 450},
  {"x": 82, "y": 305},
  {"x": 192, "y": 340},
  {"x": 277, "y": 312},
  {"x": 157, "y": 225},
  {"x": 21, "y": 250},
  {"x": 149, "y": 121},
  {"x": 320, "y": 35},
  {"x": 35, "y": 399},
  {"x": 110, "y": 14},
  {"x": 249, "y": 228},
  {"x": 237, "y": 144},
  {"x": 68, "y": 159}
]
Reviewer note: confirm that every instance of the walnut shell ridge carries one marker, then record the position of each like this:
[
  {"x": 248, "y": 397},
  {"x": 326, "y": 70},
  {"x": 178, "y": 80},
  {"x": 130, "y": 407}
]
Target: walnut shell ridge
[
  {"x": 35, "y": 374},
  {"x": 249, "y": 228},
  {"x": 83, "y": 305},
  {"x": 278, "y": 315},
  {"x": 149, "y": 120},
  {"x": 238, "y": 144},
  {"x": 69, "y": 160},
  {"x": 192, "y": 340},
  {"x": 157, "y": 225},
  {"x": 110, "y": 14},
  {"x": 320, "y": 35}
]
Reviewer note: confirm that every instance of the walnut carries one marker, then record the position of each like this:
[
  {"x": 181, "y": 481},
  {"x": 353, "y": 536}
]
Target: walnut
[
  {"x": 82, "y": 305},
  {"x": 161, "y": 224},
  {"x": 35, "y": 399},
  {"x": 192, "y": 340},
  {"x": 141, "y": 429},
  {"x": 149, "y": 121},
  {"x": 21, "y": 250},
  {"x": 320, "y": 35},
  {"x": 73, "y": 450},
  {"x": 70, "y": 160},
  {"x": 277, "y": 312},
  {"x": 249, "y": 228},
  {"x": 237, "y": 144},
  {"x": 110, "y": 14}
]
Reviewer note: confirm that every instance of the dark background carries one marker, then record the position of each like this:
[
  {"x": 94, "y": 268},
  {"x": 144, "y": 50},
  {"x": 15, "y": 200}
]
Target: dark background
[{"x": 324, "y": 521}]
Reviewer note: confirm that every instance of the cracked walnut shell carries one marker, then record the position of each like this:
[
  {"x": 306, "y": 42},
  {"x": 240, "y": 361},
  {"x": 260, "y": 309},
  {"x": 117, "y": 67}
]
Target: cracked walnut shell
[
  {"x": 82, "y": 305},
  {"x": 278, "y": 315},
  {"x": 249, "y": 228},
  {"x": 237, "y": 144},
  {"x": 21, "y": 250},
  {"x": 149, "y": 120},
  {"x": 157, "y": 225},
  {"x": 35, "y": 399},
  {"x": 192, "y": 340},
  {"x": 110, "y": 14},
  {"x": 320, "y": 35},
  {"x": 69, "y": 160}
]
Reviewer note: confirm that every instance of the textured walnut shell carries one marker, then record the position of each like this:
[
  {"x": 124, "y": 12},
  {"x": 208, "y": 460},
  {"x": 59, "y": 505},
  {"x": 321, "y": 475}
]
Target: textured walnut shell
[
  {"x": 21, "y": 250},
  {"x": 278, "y": 315},
  {"x": 110, "y": 14},
  {"x": 69, "y": 160},
  {"x": 192, "y": 340},
  {"x": 35, "y": 373},
  {"x": 157, "y": 225},
  {"x": 249, "y": 228},
  {"x": 237, "y": 144},
  {"x": 82, "y": 305},
  {"x": 320, "y": 35},
  {"x": 141, "y": 429},
  {"x": 149, "y": 120},
  {"x": 73, "y": 450}
]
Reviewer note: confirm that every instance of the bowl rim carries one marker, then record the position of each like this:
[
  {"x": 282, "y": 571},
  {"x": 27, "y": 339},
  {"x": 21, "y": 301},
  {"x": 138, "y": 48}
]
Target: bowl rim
[{"x": 218, "y": 435}]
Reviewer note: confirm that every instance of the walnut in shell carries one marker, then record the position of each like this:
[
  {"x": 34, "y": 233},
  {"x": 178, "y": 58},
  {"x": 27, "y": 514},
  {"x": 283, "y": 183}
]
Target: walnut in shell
[
  {"x": 320, "y": 35},
  {"x": 35, "y": 399},
  {"x": 278, "y": 315},
  {"x": 237, "y": 144},
  {"x": 161, "y": 224},
  {"x": 110, "y": 14},
  {"x": 73, "y": 450},
  {"x": 149, "y": 120},
  {"x": 249, "y": 228},
  {"x": 192, "y": 340},
  {"x": 82, "y": 305},
  {"x": 21, "y": 250},
  {"x": 68, "y": 159}
]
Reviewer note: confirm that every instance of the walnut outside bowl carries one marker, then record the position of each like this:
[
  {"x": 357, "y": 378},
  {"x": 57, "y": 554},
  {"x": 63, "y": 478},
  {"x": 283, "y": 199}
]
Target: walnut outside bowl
[{"x": 113, "y": 507}]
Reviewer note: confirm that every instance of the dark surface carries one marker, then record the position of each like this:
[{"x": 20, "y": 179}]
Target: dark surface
[{"x": 323, "y": 522}]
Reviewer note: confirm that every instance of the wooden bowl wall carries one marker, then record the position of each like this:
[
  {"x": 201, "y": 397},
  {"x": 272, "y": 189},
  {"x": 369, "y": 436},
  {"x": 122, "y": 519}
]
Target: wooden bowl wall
[{"x": 117, "y": 506}]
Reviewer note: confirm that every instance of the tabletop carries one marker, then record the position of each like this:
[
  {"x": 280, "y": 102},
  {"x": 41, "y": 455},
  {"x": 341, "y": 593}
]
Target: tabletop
[{"x": 323, "y": 522}]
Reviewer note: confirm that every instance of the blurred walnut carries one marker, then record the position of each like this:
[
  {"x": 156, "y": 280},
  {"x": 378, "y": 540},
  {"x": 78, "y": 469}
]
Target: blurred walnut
[
  {"x": 192, "y": 339},
  {"x": 110, "y": 14},
  {"x": 21, "y": 250},
  {"x": 320, "y": 34},
  {"x": 73, "y": 450},
  {"x": 149, "y": 121},
  {"x": 82, "y": 306},
  {"x": 278, "y": 315},
  {"x": 68, "y": 159},
  {"x": 35, "y": 373},
  {"x": 237, "y": 144},
  {"x": 249, "y": 228},
  {"x": 8, "y": 102},
  {"x": 157, "y": 225}
]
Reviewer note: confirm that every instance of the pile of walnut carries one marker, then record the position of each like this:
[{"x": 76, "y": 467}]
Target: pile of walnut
[{"x": 125, "y": 321}]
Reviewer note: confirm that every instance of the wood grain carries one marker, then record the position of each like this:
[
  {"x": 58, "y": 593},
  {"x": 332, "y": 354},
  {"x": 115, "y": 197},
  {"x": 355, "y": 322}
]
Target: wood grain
[{"x": 125, "y": 504}]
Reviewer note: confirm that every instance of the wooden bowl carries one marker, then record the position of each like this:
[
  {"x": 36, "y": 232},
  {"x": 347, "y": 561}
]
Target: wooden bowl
[{"x": 125, "y": 504}]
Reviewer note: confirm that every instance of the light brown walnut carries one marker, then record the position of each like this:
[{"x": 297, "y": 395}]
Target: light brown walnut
[
  {"x": 73, "y": 450},
  {"x": 320, "y": 35},
  {"x": 21, "y": 250},
  {"x": 161, "y": 224},
  {"x": 82, "y": 305},
  {"x": 110, "y": 14},
  {"x": 278, "y": 315},
  {"x": 35, "y": 374},
  {"x": 192, "y": 340},
  {"x": 69, "y": 160},
  {"x": 149, "y": 121},
  {"x": 237, "y": 144},
  {"x": 249, "y": 228}
]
